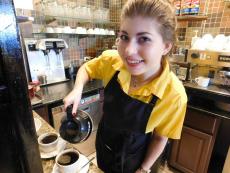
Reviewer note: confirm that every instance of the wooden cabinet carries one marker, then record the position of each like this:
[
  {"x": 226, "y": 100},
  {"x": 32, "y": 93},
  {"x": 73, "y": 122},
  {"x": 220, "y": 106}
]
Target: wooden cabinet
[{"x": 191, "y": 154}]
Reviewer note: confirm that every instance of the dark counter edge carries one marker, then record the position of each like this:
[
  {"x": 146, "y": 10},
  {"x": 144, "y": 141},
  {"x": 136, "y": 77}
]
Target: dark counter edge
[{"x": 209, "y": 107}]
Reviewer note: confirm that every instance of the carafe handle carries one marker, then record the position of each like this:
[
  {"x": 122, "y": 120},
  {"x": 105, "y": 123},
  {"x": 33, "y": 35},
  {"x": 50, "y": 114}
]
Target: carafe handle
[{"x": 69, "y": 112}]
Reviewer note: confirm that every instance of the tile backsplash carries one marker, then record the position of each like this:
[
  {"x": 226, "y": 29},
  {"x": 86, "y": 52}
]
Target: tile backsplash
[{"x": 217, "y": 22}]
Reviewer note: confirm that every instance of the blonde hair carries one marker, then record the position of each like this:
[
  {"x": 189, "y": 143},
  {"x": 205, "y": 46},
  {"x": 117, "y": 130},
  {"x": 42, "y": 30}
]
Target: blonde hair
[{"x": 160, "y": 10}]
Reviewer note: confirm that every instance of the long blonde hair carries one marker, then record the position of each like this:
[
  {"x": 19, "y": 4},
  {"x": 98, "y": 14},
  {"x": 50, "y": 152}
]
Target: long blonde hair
[{"x": 160, "y": 10}]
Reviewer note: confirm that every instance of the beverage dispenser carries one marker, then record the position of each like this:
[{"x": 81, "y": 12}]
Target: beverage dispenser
[{"x": 45, "y": 59}]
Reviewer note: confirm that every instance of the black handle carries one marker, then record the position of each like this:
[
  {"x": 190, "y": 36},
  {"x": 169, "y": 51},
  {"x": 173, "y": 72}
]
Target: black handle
[{"x": 69, "y": 112}]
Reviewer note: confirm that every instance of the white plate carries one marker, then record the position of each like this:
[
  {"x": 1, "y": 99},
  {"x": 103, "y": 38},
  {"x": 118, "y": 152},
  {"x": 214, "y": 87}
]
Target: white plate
[
  {"x": 60, "y": 147},
  {"x": 37, "y": 123},
  {"x": 83, "y": 162}
]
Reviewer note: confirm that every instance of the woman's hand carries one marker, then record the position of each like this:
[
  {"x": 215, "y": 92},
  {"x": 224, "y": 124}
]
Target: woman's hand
[
  {"x": 138, "y": 171},
  {"x": 74, "y": 98},
  {"x": 141, "y": 170}
]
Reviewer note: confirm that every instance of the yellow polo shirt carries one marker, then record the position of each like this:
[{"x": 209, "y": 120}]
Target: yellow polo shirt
[{"x": 168, "y": 114}]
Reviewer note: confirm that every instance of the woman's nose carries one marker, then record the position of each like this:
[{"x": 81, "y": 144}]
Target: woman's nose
[{"x": 131, "y": 48}]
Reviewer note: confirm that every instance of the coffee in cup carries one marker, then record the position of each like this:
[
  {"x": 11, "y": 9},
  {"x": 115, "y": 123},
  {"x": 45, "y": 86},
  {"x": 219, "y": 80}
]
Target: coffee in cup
[
  {"x": 68, "y": 161},
  {"x": 68, "y": 158},
  {"x": 48, "y": 142}
]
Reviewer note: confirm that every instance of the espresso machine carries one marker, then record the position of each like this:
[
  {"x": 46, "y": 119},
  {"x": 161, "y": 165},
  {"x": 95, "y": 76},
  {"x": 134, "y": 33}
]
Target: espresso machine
[
  {"x": 45, "y": 60},
  {"x": 214, "y": 64}
]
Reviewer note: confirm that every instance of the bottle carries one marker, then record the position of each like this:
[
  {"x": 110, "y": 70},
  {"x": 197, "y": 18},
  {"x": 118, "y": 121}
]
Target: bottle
[{"x": 195, "y": 38}]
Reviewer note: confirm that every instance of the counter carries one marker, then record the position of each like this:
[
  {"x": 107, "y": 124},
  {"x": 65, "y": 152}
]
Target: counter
[
  {"x": 203, "y": 99},
  {"x": 49, "y": 163},
  {"x": 51, "y": 96},
  {"x": 218, "y": 92},
  {"x": 56, "y": 92}
]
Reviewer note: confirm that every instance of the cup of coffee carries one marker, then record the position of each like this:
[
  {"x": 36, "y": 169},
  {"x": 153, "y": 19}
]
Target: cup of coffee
[
  {"x": 48, "y": 142},
  {"x": 68, "y": 161},
  {"x": 202, "y": 81}
]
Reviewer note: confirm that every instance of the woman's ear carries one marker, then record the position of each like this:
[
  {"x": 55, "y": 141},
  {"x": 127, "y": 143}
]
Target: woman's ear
[{"x": 168, "y": 47}]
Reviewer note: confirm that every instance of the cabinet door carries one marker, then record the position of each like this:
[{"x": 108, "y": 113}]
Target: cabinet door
[{"x": 190, "y": 153}]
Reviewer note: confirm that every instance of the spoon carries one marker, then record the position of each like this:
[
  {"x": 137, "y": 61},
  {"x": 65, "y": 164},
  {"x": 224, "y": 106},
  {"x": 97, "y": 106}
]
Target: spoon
[{"x": 90, "y": 160}]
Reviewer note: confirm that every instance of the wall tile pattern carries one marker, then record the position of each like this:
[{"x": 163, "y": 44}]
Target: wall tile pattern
[
  {"x": 218, "y": 21},
  {"x": 82, "y": 13}
]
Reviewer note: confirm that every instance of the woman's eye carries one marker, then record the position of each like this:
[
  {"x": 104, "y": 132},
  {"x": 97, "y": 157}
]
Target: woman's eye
[
  {"x": 124, "y": 37},
  {"x": 143, "y": 39}
]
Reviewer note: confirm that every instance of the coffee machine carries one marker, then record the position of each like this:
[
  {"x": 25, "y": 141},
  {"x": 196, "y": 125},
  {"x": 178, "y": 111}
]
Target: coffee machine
[
  {"x": 214, "y": 64},
  {"x": 45, "y": 60}
]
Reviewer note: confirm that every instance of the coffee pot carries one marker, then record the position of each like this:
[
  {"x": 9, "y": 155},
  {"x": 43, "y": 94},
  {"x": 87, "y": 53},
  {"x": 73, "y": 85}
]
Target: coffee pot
[{"x": 76, "y": 129}]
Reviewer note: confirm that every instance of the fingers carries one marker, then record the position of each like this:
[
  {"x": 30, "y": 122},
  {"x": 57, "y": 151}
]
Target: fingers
[
  {"x": 72, "y": 98},
  {"x": 74, "y": 110}
]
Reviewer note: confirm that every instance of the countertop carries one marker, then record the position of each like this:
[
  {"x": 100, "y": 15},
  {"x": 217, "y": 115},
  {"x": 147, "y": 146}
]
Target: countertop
[
  {"x": 49, "y": 163},
  {"x": 212, "y": 89},
  {"x": 52, "y": 94},
  {"x": 56, "y": 92},
  {"x": 204, "y": 99}
]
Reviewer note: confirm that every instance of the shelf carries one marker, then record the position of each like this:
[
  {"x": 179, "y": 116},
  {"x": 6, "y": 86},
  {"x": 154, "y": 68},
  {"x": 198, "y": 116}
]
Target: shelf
[
  {"x": 21, "y": 19},
  {"x": 192, "y": 18},
  {"x": 79, "y": 35},
  {"x": 80, "y": 20}
]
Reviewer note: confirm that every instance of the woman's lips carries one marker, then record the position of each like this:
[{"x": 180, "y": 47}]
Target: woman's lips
[{"x": 134, "y": 62}]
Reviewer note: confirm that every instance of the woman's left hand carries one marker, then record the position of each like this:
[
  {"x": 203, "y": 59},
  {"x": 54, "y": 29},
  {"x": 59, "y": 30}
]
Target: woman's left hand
[{"x": 138, "y": 171}]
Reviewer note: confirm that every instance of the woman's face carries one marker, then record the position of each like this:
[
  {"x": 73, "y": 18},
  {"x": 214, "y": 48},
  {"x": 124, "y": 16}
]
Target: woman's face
[{"x": 141, "y": 46}]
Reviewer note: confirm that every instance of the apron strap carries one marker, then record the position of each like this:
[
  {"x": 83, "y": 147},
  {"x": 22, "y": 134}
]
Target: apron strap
[{"x": 153, "y": 101}]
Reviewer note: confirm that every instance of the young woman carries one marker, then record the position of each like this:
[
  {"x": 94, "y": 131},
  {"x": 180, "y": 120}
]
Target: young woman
[{"x": 144, "y": 103}]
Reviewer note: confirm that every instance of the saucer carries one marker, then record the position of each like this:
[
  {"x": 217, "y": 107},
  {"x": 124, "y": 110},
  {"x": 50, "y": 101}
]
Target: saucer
[
  {"x": 60, "y": 146},
  {"x": 83, "y": 162}
]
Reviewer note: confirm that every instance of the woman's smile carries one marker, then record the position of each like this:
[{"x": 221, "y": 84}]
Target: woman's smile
[
  {"x": 141, "y": 46},
  {"x": 134, "y": 62}
]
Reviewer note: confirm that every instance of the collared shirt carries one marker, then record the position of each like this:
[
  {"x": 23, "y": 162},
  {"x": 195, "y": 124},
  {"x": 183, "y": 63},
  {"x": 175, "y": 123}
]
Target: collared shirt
[{"x": 168, "y": 114}]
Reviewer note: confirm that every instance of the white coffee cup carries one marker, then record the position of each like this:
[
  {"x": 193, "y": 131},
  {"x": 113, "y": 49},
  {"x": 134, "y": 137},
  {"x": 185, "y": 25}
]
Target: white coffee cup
[
  {"x": 49, "y": 30},
  {"x": 48, "y": 142},
  {"x": 202, "y": 81},
  {"x": 90, "y": 31},
  {"x": 68, "y": 160}
]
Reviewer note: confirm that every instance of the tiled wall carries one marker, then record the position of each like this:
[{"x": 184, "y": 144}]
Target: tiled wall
[
  {"x": 79, "y": 46},
  {"x": 217, "y": 11},
  {"x": 218, "y": 22}
]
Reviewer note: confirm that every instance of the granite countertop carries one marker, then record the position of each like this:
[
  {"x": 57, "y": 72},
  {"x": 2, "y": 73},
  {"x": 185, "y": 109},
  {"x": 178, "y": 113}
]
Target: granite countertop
[
  {"x": 49, "y": 163},
  {"x": 56, "y": 92}
]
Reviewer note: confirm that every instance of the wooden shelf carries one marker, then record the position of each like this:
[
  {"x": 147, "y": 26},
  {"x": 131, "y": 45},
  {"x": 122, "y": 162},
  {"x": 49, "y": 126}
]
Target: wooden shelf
[{"x": 192, "y": 18}]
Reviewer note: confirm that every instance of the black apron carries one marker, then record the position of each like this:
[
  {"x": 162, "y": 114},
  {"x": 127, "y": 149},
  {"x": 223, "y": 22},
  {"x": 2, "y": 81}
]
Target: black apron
[{"x": 121, "y": 141}]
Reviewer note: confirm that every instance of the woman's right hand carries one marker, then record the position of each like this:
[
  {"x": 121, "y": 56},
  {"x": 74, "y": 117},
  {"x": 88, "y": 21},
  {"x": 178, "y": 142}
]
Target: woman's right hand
[{"x": 74, "y": 98}]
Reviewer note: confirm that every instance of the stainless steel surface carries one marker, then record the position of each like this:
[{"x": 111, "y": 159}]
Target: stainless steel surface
[
  {"x": 56, "y": 92},
  {"x": 211, "y": 88},
  {"x": 42, "y": 59},
  {"x": 219, "y": 59}
]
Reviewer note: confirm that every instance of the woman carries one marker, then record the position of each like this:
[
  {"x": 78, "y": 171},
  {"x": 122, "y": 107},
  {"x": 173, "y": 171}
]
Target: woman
[{"x": 145, "y": 103}]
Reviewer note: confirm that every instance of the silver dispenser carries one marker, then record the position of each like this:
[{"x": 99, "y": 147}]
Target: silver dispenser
[{"x": 45, "y": 59}]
